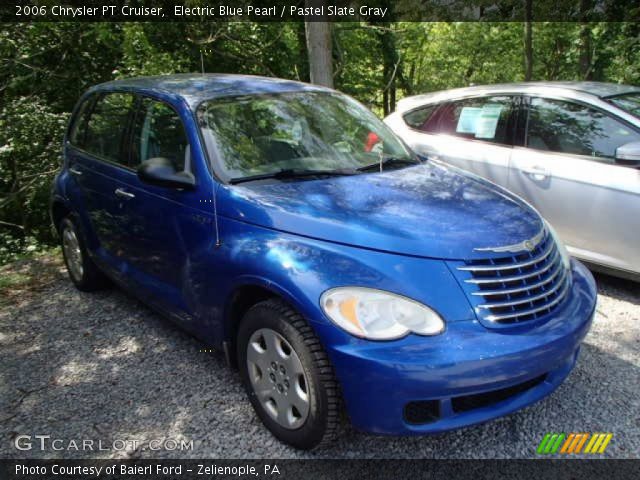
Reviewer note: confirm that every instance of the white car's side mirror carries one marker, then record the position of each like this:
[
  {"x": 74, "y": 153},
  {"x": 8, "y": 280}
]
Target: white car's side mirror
[{"x": 629, "y": 154}]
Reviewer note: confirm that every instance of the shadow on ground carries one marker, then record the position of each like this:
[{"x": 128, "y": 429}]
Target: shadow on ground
[{"x": 618, "y": 288}]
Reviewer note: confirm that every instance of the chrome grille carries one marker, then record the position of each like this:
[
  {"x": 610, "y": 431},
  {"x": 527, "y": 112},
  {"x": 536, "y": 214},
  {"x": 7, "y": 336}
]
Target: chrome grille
[{"x": 519, "y": 287}]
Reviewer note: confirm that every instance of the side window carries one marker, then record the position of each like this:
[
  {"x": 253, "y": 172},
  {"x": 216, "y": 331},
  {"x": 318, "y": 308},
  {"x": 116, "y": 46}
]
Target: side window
[
  {"x": 485, "y": 119},
  {"x": 418, "y": 118},
  {"x": 78, "y": 130},
  {"x": 106, "y": 127},
  {"x": 567, "y": 127},
  {"x": 158, "y": 132}
]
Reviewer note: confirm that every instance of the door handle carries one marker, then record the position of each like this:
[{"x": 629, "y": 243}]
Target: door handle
[
  {"x": 123, "y": 193},
  {"x": 538, "y": 173},
  {"x": 75, "y": 171}
]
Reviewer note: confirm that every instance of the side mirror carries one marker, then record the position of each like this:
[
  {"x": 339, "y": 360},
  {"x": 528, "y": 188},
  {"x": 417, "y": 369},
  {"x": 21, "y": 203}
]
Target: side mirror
[
  {"x": 628, "y": 155},
  {"x": 160, "y": 171}
]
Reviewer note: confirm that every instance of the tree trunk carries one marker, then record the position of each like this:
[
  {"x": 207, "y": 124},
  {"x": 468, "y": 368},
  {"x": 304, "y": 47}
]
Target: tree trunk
[
  {"x": 392, "y": 70},
  {"x": 303, "y": 60},
  {"x": 392, "y": 98},
  {"x": 319, "y": 49},
  {"x": 585, "y": 52},
  {"x": 528, "y": 43},
  {"x": 585, "y": 58}
]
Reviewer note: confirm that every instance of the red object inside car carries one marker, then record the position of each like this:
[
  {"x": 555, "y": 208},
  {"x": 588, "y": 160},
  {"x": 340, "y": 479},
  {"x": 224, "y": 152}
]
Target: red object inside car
[{"x": 372, "y": 139}]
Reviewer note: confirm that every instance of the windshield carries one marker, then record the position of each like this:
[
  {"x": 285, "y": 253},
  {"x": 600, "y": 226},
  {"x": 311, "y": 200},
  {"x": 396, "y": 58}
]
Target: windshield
[
  {"x": 302, "y": 131},
  {"x": 630, "y": 102}
]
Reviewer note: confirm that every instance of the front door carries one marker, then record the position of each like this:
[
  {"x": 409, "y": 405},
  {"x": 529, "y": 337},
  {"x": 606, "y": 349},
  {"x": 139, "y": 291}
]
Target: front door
[
  {"x": 567, "y": 171},
  {"x": 163, "y": 227}
]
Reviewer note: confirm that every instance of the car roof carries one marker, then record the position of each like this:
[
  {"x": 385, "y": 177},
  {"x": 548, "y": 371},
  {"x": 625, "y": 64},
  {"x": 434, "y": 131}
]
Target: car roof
[
  {"x": 197, "y": 87},
  {"x": 595, "y": 89}
]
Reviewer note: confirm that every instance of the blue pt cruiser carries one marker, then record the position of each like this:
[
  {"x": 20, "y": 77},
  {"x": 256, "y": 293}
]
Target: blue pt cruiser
[{"x": 284, "y": 224}]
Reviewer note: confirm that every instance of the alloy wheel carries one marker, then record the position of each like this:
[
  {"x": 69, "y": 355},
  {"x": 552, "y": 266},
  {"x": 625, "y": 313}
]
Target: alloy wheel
[{"x": 72, "y": 253}]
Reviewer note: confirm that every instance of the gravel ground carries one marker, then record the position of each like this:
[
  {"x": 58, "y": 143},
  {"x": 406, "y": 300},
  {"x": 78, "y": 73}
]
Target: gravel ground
[{"x": 102, "y": 366}]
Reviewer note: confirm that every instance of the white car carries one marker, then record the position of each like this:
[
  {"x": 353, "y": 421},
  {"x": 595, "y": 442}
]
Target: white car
[{"x": 571, "y": 149}]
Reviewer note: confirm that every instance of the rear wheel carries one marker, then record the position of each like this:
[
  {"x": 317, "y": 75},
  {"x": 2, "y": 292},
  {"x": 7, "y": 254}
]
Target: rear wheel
[
  {"x": 288, "y": 377},
  {"x": 84, "y": 274}
]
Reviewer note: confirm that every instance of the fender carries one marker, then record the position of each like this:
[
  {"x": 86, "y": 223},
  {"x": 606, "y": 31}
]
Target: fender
[{"x": 294, "y": 268}]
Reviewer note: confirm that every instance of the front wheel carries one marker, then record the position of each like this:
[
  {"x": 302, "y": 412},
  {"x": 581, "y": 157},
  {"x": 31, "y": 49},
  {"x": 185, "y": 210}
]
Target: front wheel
[{"x": 288, "y": 377}]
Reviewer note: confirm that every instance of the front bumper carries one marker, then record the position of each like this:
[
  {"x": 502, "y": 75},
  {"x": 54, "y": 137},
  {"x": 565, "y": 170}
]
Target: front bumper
[{"x": 467, "y": 375}]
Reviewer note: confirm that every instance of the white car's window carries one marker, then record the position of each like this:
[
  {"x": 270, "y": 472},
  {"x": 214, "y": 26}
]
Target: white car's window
[
  {"x": 567, "y": 127},
  {"x": 418, "y": 117},
  {"x": 485, "y": 119},
  {"x": 630, "y": 102}
]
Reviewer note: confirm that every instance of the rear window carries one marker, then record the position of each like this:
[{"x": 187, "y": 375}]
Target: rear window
[
  {"x": 485, "y": 119},
  {"x": 418, "y": 118},
  {"x": 102, "y": 133}
]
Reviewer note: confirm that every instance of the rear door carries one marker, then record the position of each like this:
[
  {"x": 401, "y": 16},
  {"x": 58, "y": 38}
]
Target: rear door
[
  {"x": 98, "y": 160},
  {"x": 475, "y": 134},
  {"x": 566, "y": 169}
]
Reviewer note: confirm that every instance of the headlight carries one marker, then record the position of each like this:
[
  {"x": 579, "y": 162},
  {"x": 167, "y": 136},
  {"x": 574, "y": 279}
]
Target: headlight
[
  {"x": 378, "y": 315},
  {"x": 564, "y": 254}
]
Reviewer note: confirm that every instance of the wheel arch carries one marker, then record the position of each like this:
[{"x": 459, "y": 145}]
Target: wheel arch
[
  {"x": 248, "y": 292},
  {"x": 59, "y": 210}
]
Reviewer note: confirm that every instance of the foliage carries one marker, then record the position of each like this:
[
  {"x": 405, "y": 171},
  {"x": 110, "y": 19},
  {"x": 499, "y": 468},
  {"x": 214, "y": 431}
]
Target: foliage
[
  {"x": 30, "y": 139},
  {"x": 144, "y": 53},
  {"x": 44, "y": 67},
  {"x": 446, "y": 55}
]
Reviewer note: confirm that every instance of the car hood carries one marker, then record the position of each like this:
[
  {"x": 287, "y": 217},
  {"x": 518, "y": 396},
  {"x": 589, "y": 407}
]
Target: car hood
[{"x": 429, "y": 210}]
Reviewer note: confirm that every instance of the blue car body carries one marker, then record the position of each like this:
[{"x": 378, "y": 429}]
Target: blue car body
[{"x": 200, "y": 256}]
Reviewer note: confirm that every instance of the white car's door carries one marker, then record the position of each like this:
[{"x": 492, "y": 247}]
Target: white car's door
[
  {"x": 567, "y": 171},
  {"x": 474, "y": 134}
]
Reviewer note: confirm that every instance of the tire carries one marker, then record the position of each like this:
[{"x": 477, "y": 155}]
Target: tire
[
  {"x": 274, "y": 321},
  {"x": 84, "y": 274}
]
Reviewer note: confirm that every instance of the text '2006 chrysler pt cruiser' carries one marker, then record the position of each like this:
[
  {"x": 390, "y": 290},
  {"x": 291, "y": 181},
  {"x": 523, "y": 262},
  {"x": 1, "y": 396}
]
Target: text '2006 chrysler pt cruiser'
[{"x": 284, "y": 224}]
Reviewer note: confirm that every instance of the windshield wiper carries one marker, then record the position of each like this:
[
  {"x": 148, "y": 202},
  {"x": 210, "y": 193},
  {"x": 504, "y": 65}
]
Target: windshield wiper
[
  {"x": 293, "y": 173},
  {"x": 389, "y": 161}
]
